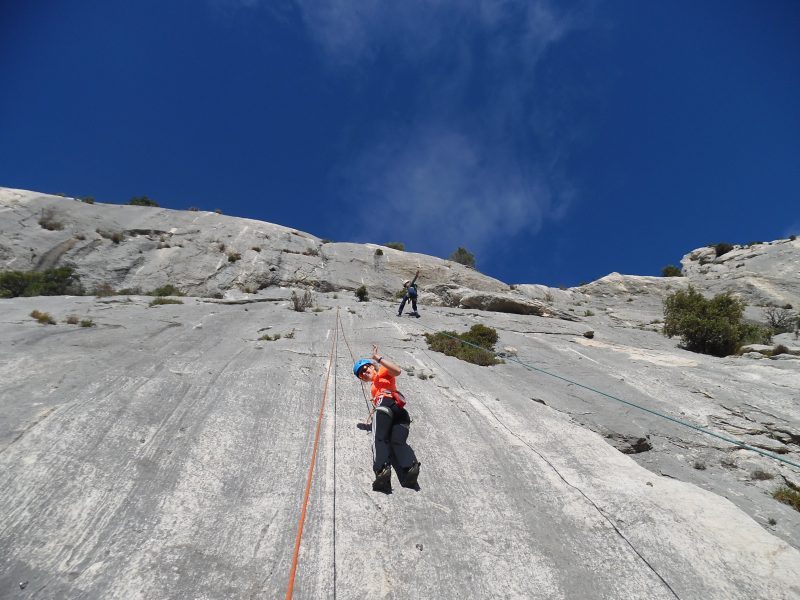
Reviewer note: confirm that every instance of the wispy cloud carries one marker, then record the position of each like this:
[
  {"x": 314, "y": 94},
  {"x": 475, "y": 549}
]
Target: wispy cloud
[
  {"x": 437, "y": 189},
  {"x": 477, "y": 156}
]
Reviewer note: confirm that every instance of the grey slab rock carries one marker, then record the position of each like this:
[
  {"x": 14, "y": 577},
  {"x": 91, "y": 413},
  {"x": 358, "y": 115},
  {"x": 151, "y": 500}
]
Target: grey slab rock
[{"x": 163, "y": 452}]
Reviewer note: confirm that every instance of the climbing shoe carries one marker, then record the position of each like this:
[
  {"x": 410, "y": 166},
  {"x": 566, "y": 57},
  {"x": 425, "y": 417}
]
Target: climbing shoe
[
  {"x": 383, "y": 480},
  {"x": 410, "y": 479}
]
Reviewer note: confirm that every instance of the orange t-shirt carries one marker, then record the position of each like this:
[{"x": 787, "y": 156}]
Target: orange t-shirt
[{"x": 382, "y": 385}]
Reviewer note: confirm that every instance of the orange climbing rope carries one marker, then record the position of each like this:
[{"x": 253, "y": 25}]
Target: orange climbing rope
[{"x": 303, "y": 510}]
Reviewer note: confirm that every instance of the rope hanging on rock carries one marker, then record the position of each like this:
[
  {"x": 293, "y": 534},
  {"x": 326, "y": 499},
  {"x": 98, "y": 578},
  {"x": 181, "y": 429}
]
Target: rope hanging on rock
[
  {"x": 628, "y": 403},
  {"x": 304, "y": 505}
]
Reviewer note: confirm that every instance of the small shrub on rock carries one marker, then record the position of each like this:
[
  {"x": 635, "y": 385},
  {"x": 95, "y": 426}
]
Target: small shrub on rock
[
  {"x": 142, "y": 201},
  {"x": 753, "y": 333},
  {"x": 463, "y": 256},
  {"x": 396, "y": 246},
  {"x": 51, "y": 282},
  {"x": 780, "y": 349},
  {"x": 72, "y": 320},
  {"x": 707, "y": 326},
  {"x": 788, "y": 496},
  {"x": 49, "y": 221},
  {"x": 87, "y": 200},
  {"x": 780, "y": 320},
  {"x": 450, "y": 343},
  {"x": 103, "y": 290},
  {"x": 43, "y": 317},
  {"x": 87, "y": 323},
  {"x": 301, "y": 303},
  {"x": 166, "y": 290},
  {"x": 234, "y": 256},
  {"x": 362, "y": 294},
  {"x": 671, "y": 271},
  {"x": 722, "y": 248},
  {"x": 162, "y": 300},
  {"x": 378, "y": 252}
]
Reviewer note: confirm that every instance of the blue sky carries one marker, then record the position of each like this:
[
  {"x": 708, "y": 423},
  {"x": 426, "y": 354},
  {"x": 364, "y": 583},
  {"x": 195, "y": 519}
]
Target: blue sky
[{"x": 558, "y": 141}]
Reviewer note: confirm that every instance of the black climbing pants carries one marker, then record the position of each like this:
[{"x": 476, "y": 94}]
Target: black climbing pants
[
  {"x": 406, "y": 298},
  {"x": 390, "y": 425}
]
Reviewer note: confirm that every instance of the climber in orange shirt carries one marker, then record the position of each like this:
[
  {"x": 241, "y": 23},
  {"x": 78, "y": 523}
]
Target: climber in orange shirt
[{"x": 390, "y": 425}]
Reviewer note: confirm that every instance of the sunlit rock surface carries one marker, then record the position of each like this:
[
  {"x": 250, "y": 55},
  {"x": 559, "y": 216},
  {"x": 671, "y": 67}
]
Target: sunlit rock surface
[{"x": 164, "y": 451}]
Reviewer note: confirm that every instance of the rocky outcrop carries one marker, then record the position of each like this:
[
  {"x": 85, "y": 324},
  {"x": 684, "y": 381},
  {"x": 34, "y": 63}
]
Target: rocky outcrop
[{"x": 162, "y": 451}]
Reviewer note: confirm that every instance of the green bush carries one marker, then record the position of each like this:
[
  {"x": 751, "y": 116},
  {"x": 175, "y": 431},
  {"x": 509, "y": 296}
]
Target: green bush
[
  {"x": 104, "y": 290},
  {"x": 48, "y": 220},
  {"x": 142, "y": 201},
  {"x": 234, "y": 256},
  {"x": 43, "y": 317},
  {"x": 161, "y": 300},
  {"x": 722, "y": 248},
  {"x": 463, "y": 256},
  {"x": 753, "y": 333},
  {"x": 788, "y": 496},
  {"x": 707, "y": 326},
  {"x": 362, "y": 294},
  {"x": 87, "y": 199},
  {"x": 378, "y": 252},
  {"x": 301, "y": 303},
  {"x": 166, "y": 290},
  {"x": 52, "y": 282},
  {"x": 448, "y": 342},
  {"x": 396, "y": 246},
  {"x": 671, "y": 271},
  {"x": 780, "y": 320}
]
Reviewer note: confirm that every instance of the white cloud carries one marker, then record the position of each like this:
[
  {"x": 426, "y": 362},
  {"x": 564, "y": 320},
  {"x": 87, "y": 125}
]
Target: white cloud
[
  {"x": 477, "y": 158},
  {"x": 351, "y": 32},
  {"x": 439, "y": 189}
]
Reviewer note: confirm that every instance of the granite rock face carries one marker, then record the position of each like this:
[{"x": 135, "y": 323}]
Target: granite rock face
[{"x": 163, "y": 451}]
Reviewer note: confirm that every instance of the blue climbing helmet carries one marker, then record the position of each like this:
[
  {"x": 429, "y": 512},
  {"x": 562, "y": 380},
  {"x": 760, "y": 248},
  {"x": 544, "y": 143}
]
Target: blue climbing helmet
[{"x": 359, "y": 364}]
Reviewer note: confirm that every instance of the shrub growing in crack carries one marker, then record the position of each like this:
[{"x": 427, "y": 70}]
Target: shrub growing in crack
[
  {"x": 162, "y": 300},
  {"x": 447, "y": 342},
  {"x": 780, "y": 320},
  {"x": 104, "y": 290},
  {"x": 301, "y": 303},
  {"x": 166, "y": 290},
  {"x": 43, "y": 317},
  {"x": 48, "y": 220},
  {"x": 788, "y": 496},
  {"x": 706, "y": 326},
  {"x": 362, "y": 294},
  {"x": 51, "y": 282}
]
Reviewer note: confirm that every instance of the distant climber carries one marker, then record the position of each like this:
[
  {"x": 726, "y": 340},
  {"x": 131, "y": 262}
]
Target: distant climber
[
  {"x": 390, "y": 426},
  {"x": 409, "y": 293}
]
